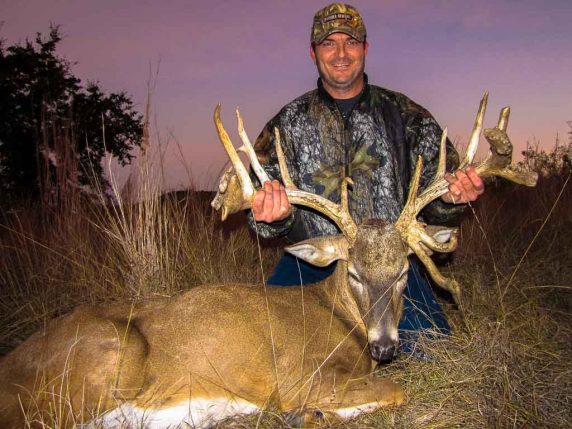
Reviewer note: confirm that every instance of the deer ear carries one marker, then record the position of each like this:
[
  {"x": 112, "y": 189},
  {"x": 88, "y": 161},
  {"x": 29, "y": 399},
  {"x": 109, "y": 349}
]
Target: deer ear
[
  {"x": 441, "y": 234},
  {"x": 321, "y": 251}
]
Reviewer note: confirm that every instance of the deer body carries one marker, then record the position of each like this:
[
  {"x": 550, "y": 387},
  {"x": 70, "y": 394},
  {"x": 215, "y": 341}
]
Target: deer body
[{"x": 207, "y": 354}]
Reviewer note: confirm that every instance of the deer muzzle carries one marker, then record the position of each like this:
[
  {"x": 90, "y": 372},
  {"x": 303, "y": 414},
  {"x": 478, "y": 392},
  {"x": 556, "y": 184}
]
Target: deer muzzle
[{"x": 383, "y": 350}]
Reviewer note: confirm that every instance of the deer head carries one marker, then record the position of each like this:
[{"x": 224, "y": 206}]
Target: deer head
[{"x": 375, "y": 251}]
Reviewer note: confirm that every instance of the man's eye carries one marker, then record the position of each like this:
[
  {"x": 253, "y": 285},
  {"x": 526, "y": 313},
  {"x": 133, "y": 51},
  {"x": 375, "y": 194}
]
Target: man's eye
[
  {"x": 352, "y": 43},
  {"x": 327, "y": 44}
]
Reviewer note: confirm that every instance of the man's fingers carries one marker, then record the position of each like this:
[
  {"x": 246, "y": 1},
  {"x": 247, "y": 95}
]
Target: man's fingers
[
  {"x": 471, "y": 185},
  {"x": 271, "y": 203},
  {"x": 281, "y": 207},
  {"x": 467, "y": 189},
  {"x": 258, "y": 204},
  {"x": 268, "y": 203},
  {"x": 455, "y": 189},
  {"x": 276, "y": 199},
  {"x": 464, "y": 186},
  {"x": 476, "y": 180},
  {"x": 285, "y": 208}
]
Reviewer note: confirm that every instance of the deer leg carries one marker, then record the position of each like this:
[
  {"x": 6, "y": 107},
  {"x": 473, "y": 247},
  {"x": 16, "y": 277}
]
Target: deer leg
[{"x": 347, "y": 401}]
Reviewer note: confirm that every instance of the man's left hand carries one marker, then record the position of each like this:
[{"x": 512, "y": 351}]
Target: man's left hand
[{"x": 464, "y": 186}]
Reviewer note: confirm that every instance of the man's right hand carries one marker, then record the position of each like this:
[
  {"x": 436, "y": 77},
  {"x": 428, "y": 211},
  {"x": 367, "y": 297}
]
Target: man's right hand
[{"x": 271, "y": 203}]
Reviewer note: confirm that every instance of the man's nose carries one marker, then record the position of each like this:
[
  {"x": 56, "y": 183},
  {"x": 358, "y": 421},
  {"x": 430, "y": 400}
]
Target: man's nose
[{"x": 341, "y": 50}]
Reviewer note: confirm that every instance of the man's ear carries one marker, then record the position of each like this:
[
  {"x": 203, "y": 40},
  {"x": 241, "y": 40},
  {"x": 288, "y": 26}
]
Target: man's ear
[
  {"x": 321, "y": 251},
  {"x": 313, "y": 52}
]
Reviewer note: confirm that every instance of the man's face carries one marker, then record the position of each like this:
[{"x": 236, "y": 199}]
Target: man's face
[{"x": 340, "y": 60}]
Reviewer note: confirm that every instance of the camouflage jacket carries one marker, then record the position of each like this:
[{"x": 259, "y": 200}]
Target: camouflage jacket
[{"x": 377, "y": 145}]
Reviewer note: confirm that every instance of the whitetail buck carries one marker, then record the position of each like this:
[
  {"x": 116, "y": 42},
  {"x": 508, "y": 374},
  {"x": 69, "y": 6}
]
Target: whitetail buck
[{"x": 225, "y": 350}]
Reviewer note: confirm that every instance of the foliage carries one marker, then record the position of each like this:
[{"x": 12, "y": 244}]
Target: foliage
[
  {"x": 552, "y": 162},
  {"x": 54, "y": 131}
]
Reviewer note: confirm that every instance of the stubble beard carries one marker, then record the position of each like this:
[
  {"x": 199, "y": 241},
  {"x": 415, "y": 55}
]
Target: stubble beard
[{"x": 345, "y": 84}]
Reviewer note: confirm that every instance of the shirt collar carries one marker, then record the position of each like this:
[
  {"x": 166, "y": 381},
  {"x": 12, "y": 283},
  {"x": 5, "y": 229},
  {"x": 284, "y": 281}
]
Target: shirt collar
[{"x": 325, "y": 95}]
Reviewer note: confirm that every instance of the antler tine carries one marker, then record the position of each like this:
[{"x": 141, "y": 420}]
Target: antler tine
[
  {"x": 235, "y": 160},
  {"x": 236, "y": 190},
  {"x": 476, "y": 134},
  {"x": 441, "y": 167},
  {"x": 344, "y": 195},
  {"x": 249, "y": 150},
  {"x": 338, "y": 213},
  {"x": 446, "y": 283},
  {"x": 503, "y": 118},
  {"x": 409, "y": 212},
  {"x": 438, "y": 186},
  {"x": 282, "y": 162}
]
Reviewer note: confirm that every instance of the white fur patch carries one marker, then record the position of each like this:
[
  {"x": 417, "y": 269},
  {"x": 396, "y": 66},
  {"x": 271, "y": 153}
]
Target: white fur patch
[
  {"x": 443, "y": 236},
  {"x": 351, "y": 412},
  {"x": 196, "y": 413},
  {"x": 373, "y": 334},
  {"x": 394, "y": 335}
]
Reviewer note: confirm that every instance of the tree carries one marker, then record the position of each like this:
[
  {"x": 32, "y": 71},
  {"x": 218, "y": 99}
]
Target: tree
[{"x": 53, "y": 131}]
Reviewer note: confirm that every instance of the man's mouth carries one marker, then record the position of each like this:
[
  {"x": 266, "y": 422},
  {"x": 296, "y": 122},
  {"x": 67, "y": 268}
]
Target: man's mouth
[{"x": 341, "y": 66}]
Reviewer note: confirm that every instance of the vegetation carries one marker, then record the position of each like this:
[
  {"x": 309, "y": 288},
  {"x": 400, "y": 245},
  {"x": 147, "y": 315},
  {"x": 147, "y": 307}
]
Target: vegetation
[
  {"x": 54, "y": 131},
  {"x": 506, "y": 365}
]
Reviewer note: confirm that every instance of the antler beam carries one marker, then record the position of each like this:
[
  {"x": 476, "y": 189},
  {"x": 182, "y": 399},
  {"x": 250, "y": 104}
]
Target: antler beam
[
  {"x": 236, "y": 191},
  {"x": 497, "y": 163}
]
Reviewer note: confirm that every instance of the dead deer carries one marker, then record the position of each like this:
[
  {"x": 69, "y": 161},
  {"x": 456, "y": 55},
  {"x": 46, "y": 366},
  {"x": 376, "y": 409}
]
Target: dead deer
[{"x": 226, "y": 350}]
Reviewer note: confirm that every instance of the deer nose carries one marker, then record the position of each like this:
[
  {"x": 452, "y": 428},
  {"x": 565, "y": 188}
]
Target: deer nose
[{"x": 382, "y": 351}]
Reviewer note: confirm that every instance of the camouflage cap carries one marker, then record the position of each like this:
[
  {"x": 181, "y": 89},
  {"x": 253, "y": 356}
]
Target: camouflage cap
[{"x": 338, "y": 18}]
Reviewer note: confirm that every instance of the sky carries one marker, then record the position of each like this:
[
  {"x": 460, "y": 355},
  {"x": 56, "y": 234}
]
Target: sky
[{"x": 255, "y": 54}]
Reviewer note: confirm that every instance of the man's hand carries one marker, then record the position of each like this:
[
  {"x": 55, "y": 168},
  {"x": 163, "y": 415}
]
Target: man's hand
[
  {"x": 464, "y": 186},
  {"x": 271, "y": 203}
]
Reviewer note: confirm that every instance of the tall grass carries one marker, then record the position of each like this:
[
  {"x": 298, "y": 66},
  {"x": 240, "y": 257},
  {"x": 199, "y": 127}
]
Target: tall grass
[
  {"x": 94, "y": 251},
  {"x": 506, "y": 365}
]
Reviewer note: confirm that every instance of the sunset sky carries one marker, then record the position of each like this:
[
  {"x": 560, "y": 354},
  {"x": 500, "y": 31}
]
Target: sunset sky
[{"x": 255, "y": 54}]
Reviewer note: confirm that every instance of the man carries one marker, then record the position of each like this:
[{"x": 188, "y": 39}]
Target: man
[{"x": 347, "y": 127}]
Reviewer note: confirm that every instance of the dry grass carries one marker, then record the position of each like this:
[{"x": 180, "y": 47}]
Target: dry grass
[
  {"x": 507, "y": 364},
  {"x": 50, "y": 264}
]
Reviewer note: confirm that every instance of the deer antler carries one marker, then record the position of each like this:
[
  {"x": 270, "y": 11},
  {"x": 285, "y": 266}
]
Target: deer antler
[
  {"x": 497, "y": 163},
  {"x": 236, "y": 191}
]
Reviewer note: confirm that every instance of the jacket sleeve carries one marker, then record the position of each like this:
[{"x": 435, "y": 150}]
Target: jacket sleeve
[
  {"x": 423, "y": 135},
  {"x": 265, "y": 149}
]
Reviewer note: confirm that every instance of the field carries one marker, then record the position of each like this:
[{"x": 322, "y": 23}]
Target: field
[{"x": 506, "y": 365}]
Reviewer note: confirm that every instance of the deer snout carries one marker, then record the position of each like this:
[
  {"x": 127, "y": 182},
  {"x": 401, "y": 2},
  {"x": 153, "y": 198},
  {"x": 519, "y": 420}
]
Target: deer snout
[{"x": 382, "y": 350}]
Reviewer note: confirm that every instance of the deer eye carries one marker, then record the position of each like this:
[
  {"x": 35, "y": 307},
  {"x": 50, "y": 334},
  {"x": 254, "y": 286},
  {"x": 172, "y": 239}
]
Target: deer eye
[
  {"x": 352, "y": 273},
  {"x": 355, "y": 278}
]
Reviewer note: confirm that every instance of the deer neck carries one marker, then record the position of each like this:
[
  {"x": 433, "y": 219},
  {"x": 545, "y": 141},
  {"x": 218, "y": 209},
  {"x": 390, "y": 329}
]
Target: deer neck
[{"x": 337, "y": 291}]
